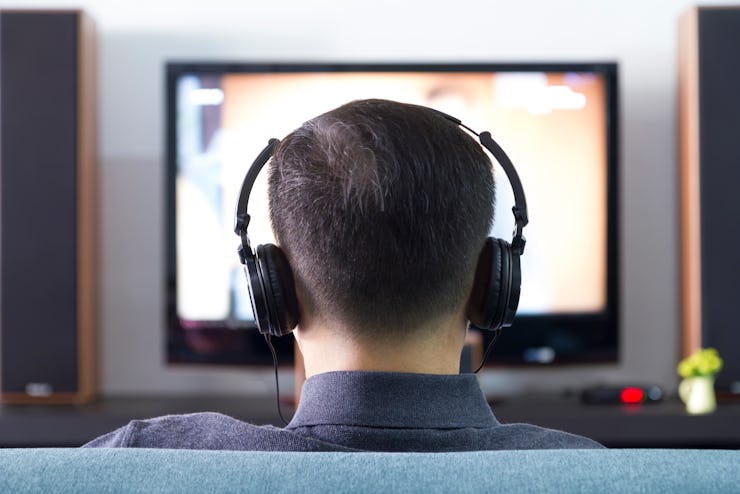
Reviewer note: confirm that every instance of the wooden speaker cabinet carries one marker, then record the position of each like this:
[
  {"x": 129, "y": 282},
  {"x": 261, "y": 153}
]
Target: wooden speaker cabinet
[
  {"x": 709, "y": 184},
  {"x": 47, "y": 207}
]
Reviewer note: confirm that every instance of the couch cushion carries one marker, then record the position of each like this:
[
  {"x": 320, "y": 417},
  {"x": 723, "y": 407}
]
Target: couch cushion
[{"x": 151, "y": 470}]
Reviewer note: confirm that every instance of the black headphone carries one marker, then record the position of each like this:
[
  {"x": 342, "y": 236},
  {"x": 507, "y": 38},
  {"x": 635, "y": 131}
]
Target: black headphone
[{"x": 495, "y": 294}]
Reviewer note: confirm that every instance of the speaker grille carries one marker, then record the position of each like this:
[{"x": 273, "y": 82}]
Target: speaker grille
[
  {"x": 719, "y": 124},
  {"x": 38, "y": 202}
]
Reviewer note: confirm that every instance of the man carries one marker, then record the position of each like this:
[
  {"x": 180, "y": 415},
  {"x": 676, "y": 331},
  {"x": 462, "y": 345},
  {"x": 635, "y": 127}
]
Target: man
[{"x": 382, "y": 211}]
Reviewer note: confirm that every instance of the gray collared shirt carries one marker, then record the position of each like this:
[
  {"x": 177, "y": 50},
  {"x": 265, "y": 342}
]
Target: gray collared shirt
[{"x": 357, "y": 411}]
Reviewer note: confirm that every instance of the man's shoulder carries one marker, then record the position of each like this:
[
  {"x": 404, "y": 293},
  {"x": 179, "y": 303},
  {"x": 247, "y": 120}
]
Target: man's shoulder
[
  {"x": 204, "y": 430},
  {"x": 528, "y": 436}
]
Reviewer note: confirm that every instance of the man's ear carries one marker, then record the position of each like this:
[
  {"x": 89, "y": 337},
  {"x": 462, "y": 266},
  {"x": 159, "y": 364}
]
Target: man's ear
[{"x": 304, "y": 300}]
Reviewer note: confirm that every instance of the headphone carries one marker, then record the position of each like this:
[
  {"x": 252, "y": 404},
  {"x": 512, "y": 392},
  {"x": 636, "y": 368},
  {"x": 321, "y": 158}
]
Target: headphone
[{"x": 495, "y": 295}]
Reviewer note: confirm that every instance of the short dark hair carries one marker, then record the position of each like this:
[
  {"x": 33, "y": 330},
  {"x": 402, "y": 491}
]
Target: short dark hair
[{"x": 382, "y": 209}]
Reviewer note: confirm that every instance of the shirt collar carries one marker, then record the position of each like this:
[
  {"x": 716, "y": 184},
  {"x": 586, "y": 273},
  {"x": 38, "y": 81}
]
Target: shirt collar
[{"x": 393, "y": 400}]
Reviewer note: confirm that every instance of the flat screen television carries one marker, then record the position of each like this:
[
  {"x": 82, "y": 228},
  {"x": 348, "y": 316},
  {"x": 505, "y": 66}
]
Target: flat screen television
[{"x": 557, "y": 122}]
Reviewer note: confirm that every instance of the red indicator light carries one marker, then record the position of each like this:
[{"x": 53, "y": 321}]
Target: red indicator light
[{"x": 632, "y": 395}]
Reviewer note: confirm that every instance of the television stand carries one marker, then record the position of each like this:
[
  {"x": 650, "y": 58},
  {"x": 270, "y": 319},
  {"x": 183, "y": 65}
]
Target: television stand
[{"x": 662, "y": 425}]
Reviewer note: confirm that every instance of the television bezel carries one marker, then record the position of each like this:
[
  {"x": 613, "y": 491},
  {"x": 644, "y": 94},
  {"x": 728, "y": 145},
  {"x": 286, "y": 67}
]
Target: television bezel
[{"x": 600, "y": 333}]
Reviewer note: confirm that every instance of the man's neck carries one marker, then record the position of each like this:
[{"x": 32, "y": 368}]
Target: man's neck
[{"x": 433, "y": 351}]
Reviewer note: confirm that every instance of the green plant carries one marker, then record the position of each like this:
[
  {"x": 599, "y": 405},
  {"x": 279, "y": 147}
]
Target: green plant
[{"x": 703, "y": 362}]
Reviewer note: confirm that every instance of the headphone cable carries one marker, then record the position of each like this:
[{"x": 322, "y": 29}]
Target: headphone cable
[
  {"x": 268, "y": 339},
  {"x": 488, "y": 350}
]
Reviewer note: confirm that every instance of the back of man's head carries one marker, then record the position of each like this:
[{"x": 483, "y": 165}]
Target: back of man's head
[{"x": 382, "y": 209}]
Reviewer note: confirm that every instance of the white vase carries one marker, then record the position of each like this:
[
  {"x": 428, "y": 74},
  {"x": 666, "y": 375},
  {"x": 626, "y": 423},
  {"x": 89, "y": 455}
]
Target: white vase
[{"x": 698, "y": 394}]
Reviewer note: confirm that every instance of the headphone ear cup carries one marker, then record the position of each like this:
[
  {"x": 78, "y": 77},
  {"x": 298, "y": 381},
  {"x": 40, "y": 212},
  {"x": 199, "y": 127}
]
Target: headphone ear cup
[
  {"x": 491, "y": 297},
  {"x": 256, "y": 292},
  {"x": 515, "y": 285},
  {"x": 485, "y": 286},
  {"x": 279, "y": 287}
]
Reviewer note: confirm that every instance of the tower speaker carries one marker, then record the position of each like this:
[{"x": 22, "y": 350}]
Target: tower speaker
[
  {"x": 47, "y": 210},
  {"x": 709, "y": 171}
]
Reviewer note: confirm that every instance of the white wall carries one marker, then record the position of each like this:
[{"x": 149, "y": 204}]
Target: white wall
[{"x": 137, "y": 37}]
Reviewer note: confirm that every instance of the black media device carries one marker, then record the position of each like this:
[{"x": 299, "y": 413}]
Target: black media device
[
  {"x": 557, "y": 122},
  {"x": 622, "y": 395}
]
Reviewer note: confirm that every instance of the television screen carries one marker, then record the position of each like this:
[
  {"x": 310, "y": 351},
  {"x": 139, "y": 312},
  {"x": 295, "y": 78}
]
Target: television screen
[{"x": 557, "y": 123}]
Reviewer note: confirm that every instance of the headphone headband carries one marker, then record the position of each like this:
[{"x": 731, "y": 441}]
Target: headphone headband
[
  {"x": 241, "y": 218},
  {"x": 521, "y": 218},
  {"x": 519, "y": 209}
]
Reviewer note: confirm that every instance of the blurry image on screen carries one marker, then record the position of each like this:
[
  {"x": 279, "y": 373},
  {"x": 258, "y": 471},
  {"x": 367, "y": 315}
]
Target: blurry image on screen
[{"x": 551, "y": 125}]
